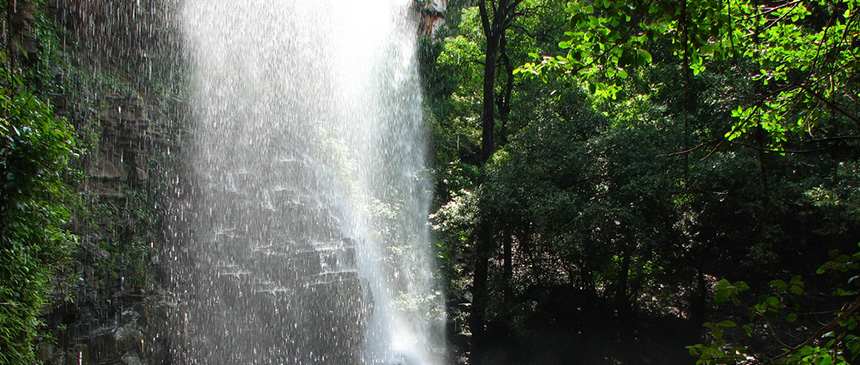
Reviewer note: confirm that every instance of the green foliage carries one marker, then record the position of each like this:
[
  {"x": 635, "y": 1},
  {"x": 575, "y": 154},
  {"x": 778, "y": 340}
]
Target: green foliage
[
  {"x": 650, "y": 153},
  {"x": 725, "y": 290},
  {"x": 805, "y": 53},
  {"x": 717, "y": 352},
  {"x": 833, "y": 342},
  {"x": 604, "y": 43},
  {"x": 35, "y": 150}
]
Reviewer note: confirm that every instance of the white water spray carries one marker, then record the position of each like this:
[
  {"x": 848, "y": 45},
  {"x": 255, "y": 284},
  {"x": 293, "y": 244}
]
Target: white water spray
[{"x": 310, "y": 242}]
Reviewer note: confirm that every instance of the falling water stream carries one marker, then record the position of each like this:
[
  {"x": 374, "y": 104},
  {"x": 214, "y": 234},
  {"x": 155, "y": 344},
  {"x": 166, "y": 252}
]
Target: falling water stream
[{"x": 308, "y": 238}]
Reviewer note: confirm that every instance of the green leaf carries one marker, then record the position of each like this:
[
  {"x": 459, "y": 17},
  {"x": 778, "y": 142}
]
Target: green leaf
[
  {"x": 726, "y": 323},
  {"x": 643, "y": 57},
  {"x": 773, "y": 302},
  {"x": 843, "y": 293},
  {"x": 796, "y": 280},
  {"x": 724, "y": 290},
  {"x": 797, "y": 290}
]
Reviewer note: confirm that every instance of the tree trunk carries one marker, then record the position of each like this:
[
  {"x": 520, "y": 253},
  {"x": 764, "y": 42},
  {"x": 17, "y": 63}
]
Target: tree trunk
[
  {"x": 494, "y": 30},
  {"x": 488, "y": 115},
  {"x": 699, "y": 301},
  {"x": 504, "y": 100}
]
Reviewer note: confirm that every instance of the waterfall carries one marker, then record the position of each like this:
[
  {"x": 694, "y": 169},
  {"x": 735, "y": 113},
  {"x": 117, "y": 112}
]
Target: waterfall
[{"x": 307, "y": 239}]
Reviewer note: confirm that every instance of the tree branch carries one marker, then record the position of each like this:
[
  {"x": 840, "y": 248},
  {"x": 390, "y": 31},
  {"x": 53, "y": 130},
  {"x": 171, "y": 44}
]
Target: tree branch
[
  {"x": 689, "y": 150},
  {"x": 817, "y": 335},
  {"x": 830, "y": 104},
  {"x": 790, "y": 152},
  {"x": 513, "y": 6},
  {"x": 485, "y": 19},
  {"x": 717, "y": 143}
]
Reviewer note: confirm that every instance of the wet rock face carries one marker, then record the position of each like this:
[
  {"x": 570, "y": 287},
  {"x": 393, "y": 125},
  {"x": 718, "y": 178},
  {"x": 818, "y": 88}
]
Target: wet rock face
[
  {"x": 128, "y": 139},
  {"x": 132, "y": 337},
  {"x": 124, "y": 65},
  {"x": 119, "y": 87},
  {"x": 23, "y": 45},
  {"x": 118, "y": 96},
  {"x": 273, "y": 279}
]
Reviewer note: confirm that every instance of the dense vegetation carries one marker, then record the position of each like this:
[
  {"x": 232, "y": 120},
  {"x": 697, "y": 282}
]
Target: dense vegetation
[
  {"x": 629, "y": 160},
  {"x": 36, "y": 148}
]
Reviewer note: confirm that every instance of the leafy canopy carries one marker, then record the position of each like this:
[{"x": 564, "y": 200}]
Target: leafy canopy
[{"x": 806, "y": 53}]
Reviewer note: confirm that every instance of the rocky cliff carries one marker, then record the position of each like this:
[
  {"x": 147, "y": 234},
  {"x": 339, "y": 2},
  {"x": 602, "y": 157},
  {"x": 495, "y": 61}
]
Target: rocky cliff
[{"x": 119, "y": 73}]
